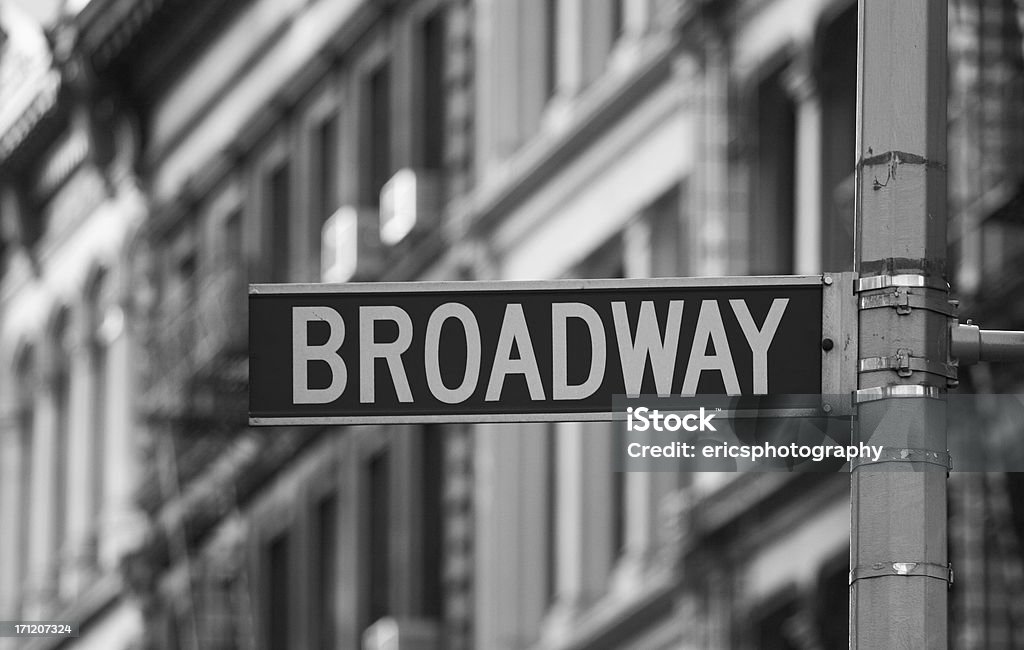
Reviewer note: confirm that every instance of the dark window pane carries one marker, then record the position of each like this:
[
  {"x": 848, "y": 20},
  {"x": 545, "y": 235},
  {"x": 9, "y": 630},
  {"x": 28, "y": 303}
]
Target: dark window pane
[
  {"x": 551, "y": 516},
  {"x": 433, "y": 531},
  {"x": 618, "y": 515},
  {"x": 617, "y": 19},
  {"x": 432, "y": 60},
  {"x": 774, "y": 197},
  {"x": 26, "y": 425},
  {"x": 377, "y": 138},
  {"x": 838, "y": 81},
  {"x": 277, "y": 597},
  {"x": 233, "y": 245},
  {"x": 326, "y": 168},
  {"x": 98, "y": 380},
  {"x": 62, "y": 407},
  {"x": 774, "y": 629},
  {"x": 379, "y": 550},
  {"x": 279, "y": 204},
  {"x": 834, "y": 607},
  {"x": 550, "y": 48},
  {"x": 666, "y": 243},
  {"x": 325, "y": 573}
]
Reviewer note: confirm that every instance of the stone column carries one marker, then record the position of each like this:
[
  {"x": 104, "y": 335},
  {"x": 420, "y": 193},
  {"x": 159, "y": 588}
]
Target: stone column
[
  {"x": 122, "y": 524},
  {"x": 510, "y": 500},
  {"x": 10, "y": 494},
  {"x": 802, "y": 86},
  {"x": 707, "y": 81},
  {"x": 41, "y": 589},
  {"x": 583, "y": 521},
  {"x": 76, "y": 554}
]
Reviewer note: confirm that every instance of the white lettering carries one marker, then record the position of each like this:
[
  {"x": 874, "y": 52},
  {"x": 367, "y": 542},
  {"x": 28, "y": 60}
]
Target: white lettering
[
  {"x": 431, "y": 353},
  {"x": 514, "y": 330},
  {"x": 370, "y": 350},
  {"x": 648, "y": 343},
  {"x": 760, "y": 339},
  {"x": 303, "y": 353},
  {"x": 710, "y": 328},
  {"x": 561, "y": 312}
]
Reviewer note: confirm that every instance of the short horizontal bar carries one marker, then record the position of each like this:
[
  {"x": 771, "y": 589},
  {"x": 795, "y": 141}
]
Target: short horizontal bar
[{"x": 970, "y": 344}]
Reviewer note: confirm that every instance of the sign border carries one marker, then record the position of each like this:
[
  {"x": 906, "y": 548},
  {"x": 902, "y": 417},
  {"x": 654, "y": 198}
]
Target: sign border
[
  {"x": 540, "y": 285},
  {"x": 742, "y": 281}
]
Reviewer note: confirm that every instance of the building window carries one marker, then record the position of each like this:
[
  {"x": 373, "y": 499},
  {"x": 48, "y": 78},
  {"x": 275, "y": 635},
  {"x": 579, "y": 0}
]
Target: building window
[
  {"x": 432, "y": 126},
  {"x": 378, "y": 508},
  {"x": 278, "y": 203},
  {"x": 551, "y": 515},
  {"x": 278, "y": 609},
  {"x": 99, "y": 307},
  {"x": 322, "y": 184},
  {"x": 377, "y": 167},
  {"x": 27, "y": 381},
  {"x": 221, "y": 612},
  {"x": 775, "y": 625},
  {"x": 61, "y": 387},
  {"x": 617, "y": 19},
  {"x": 839, "y": 114},
  {"x": 172, "y": 630},
  {"x": 183, "y": 292},
  {"x": 232, "y": 246},
  {"x": 666, "y": 246},
  {"x": 607, "y": 261},
  {"x": 599, "y": 33},
  {"x": 231, "y": 297},
  {"x": 325, "y": 169},
  {"x": 833, "y": 603},
  {"x": 550, "y": 48},
  {"x": 432, "y": 520},
  {"x": 325, "y": 571},
  {"x": 773, "y": 199},
  {"x": 617, "y": 435}
]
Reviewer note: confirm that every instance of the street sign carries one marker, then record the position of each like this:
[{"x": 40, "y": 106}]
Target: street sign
[{"x": 526, "y": 351}]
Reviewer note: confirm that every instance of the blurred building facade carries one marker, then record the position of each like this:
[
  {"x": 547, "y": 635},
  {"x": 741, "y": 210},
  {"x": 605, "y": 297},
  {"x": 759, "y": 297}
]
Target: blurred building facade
[
  {"x": 72, "y": 211},
  {"x": 156, "y": 157}
]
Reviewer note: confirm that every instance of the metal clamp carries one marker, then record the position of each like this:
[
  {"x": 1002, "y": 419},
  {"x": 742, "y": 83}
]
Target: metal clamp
[
  {"x": 904, "y": 301},
  {"x": 895, "y": 392},
  {"x": 886, "y": 569},
  {"x": 873, "y": 282},
  {"x": 905, "y": 364},
  {"x": 900, "y": 455}
]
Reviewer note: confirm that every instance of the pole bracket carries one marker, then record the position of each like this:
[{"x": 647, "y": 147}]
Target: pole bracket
[
  {"x": 896, "y": 391},
  {"x": 908, "y": 569},
  {"x": 910, "y": 280},
  {"x": 905, "y": 299},
  {"x": 905, "y": 364},
  {"x": 901, "y": 455}
]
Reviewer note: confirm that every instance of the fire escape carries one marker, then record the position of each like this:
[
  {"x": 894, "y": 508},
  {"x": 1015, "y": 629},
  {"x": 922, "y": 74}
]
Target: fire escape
[{"x": 194, "y": 405}]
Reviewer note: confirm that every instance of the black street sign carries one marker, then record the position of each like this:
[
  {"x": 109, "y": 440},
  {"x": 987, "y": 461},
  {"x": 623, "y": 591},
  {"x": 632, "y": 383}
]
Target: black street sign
[{"x": 521, "y": 351}]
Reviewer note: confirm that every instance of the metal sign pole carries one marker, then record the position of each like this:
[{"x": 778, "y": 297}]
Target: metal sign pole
[{"x": 899, "y": 569}]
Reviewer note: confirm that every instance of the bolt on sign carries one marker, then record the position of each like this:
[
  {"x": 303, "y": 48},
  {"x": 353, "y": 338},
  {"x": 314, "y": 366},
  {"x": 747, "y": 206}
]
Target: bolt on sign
[{"x": 522, "y": 351}]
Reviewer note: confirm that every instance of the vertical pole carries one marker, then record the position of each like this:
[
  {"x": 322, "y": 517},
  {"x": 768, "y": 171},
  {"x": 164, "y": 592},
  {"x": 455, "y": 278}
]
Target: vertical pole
[{"x": 898, "y": 551}]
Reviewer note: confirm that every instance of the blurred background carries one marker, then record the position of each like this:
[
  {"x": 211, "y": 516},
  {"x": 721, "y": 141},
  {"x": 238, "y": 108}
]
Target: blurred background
[{"x": 156, "y": 156}]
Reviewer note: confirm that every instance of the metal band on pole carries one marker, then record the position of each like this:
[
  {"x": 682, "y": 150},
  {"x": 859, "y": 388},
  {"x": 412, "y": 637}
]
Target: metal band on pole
[
  {"x": 909, "y": 569},
  {"x": 898, "y": 455}
]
